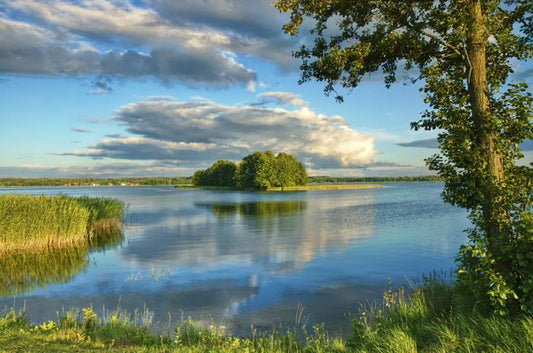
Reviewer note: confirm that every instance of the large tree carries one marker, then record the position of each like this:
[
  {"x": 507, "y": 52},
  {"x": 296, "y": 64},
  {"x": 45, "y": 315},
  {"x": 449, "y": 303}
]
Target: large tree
[{"x": 463, "y": 52}]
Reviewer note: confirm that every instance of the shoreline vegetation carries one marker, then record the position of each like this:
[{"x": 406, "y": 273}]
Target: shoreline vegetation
[
  {"x": 184, "y": 181},
  {"x": 34, "y": 224},
  {"x": 436, "y": 317}
]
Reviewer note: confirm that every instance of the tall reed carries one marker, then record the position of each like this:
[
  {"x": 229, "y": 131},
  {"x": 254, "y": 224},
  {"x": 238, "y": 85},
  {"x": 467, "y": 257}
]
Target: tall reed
[
  {"x": 33, "y": 223},
  {"x": 39, "y": 223}
]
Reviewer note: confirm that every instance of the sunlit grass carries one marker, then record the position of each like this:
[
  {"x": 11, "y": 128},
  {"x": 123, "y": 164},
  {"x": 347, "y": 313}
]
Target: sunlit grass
[{"x": 44, "y": 223}]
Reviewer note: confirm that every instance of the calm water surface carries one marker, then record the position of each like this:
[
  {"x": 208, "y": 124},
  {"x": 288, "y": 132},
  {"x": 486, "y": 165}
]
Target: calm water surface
[{"x": 238, "y": 259}]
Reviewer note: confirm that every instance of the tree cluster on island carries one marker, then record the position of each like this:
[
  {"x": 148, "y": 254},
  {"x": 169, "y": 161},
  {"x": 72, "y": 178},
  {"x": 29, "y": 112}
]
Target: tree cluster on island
[{"x": 257, "y": 171}]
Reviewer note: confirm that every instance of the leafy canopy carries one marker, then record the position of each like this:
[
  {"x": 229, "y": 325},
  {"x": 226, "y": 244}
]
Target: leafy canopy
[
  {"x": 463, "y": 52},
  {"x": 257, "y": 171}
]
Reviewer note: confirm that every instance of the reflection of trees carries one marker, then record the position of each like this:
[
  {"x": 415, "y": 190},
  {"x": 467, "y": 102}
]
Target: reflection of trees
[
  {"x": 278, "y": 235},
  {"x": 23, "y": 272},
  {"x": 261, "y": 208}
]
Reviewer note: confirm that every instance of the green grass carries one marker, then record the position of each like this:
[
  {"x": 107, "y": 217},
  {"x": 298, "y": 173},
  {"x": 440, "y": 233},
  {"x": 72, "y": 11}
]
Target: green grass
[
  {"x": 44, "y": 223},
  {"x": 435, "y": 318},
  {"x": 438, "y": 318}
]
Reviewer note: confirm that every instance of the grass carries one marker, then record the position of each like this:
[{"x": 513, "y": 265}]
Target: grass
[
  {"x": 434, "y": 318},
  {"x": 438, "y": 317},
  {"x": 32, "y": 224}
]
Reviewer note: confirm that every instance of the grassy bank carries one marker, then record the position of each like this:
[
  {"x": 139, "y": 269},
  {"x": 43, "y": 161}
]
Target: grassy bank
[
  {"x": 435, "y": 318},
  {"x": 39, "y": 223}
]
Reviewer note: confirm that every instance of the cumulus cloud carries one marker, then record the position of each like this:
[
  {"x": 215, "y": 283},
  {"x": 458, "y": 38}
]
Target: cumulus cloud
[
  {"x": 187, "y": 41},
  {"x": 281, "y": 98},
  {"x": 196, "y": 131}
]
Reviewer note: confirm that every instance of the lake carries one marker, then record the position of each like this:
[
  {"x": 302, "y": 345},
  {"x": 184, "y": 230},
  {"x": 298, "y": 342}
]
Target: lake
[{"x": 239, "y": 259}]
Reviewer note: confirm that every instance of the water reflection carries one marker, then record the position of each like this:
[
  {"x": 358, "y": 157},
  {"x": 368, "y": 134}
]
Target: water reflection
[
  {"x": 280, "y": 235},
  {"x": 109, "y": 239},
  {"x": 23, "y": 272},
  {"x": 260, "y": 209}
]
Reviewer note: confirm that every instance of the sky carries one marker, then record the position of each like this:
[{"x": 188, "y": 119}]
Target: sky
[{"x": 111, "y": 88}]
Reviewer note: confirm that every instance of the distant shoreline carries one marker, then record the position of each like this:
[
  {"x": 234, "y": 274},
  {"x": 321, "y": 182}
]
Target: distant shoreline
[{"x": 187, "y": 181}]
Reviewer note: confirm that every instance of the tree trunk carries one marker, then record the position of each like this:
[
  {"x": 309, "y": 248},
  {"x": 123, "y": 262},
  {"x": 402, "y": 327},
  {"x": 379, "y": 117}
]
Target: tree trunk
[{"x": 486, "y": 136}]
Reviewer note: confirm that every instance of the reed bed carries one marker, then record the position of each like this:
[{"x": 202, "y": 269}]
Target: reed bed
[{"x": 44, "y": 223}]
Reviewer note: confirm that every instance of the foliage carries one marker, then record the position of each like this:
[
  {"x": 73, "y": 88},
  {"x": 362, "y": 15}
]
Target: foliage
[
  {"x": 257, "y": 171},
  {"x": 463, "y": 52},
  {"x": 262, "y": 171},
  {"x": 221, "y": 173}
]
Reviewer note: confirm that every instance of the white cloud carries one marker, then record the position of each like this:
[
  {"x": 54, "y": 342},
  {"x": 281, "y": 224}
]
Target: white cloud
[
  {"x": 203, "y": 131},
  {"x": 280, "y": 97}
]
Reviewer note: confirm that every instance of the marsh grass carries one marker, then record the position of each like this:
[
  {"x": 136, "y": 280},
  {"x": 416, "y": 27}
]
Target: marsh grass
[{"x": 34, "y": 224}]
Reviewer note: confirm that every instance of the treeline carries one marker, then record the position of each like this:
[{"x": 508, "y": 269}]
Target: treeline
[
  {"x": 257, "y": 171},
  {"x": 328, "y": 179},
  {"x": 94, "y": 181}
]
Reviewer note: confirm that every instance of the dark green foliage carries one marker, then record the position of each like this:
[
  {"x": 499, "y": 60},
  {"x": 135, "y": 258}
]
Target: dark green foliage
[
  {"x": 262, "y": 171},
  {"x": 463, "y": 53},
  {"x": 221, "y": 173},
  {"x": 257, "y": 171}
]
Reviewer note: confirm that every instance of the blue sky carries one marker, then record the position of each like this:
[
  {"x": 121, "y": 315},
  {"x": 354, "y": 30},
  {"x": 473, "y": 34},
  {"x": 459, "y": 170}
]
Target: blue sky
[{"x": 163, "y": 87}]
